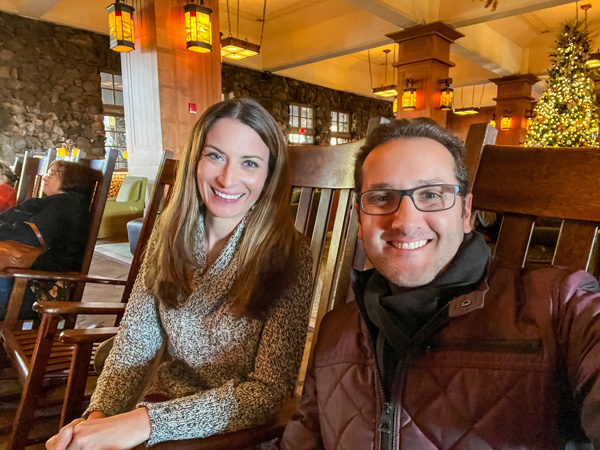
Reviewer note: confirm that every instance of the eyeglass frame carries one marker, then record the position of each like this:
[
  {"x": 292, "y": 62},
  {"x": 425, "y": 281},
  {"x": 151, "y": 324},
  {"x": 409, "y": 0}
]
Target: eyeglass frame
[
  {"x": 407, "y": 193},
  {"x": 51, "y": 172}
]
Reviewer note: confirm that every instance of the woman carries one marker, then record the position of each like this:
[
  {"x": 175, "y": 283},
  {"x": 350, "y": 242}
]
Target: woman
[
  {"x": 62, "y": 217},
  {"x": 8, "y": 193},
  {"x": 226, "y": 283}
]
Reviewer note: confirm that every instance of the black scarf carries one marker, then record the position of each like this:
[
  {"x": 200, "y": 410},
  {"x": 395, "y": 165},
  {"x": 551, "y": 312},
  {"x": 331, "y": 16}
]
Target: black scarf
[{"x": 399, "y": 313}]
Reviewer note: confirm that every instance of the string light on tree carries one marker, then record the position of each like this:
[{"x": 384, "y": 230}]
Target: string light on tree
[{"x": 565, "y": 115}]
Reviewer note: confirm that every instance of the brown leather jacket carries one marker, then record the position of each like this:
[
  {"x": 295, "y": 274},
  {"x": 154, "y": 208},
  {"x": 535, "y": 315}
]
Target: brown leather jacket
[{"x": 514, "y": 364}]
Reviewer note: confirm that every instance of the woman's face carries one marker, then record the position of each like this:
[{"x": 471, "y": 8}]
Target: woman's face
[
  {"x": 53, "y": 180},
  {"x": 232, "y": 169}
]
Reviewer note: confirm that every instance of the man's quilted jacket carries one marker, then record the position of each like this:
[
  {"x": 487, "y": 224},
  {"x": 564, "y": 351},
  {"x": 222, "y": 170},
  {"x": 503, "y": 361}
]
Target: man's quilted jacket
[{"x": 512, "y": 365}]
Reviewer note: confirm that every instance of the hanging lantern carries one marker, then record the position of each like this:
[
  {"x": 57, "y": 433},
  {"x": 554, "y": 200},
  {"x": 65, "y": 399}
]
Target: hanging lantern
[
  {"x": 409, "y": 96},
  {"x": 467, "y": 111},
  {"x": 120, "y": 22},
  {"x": 395, "y": 106},
  {"x": 447, "y": 95},
  {"x": 198, "y": 31},
  {"x": 506, "y": 122},
  {"x": 493, "y": 120}
]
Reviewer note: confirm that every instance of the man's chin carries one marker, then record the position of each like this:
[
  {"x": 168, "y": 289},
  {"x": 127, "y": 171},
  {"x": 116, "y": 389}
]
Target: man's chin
[{"x": 407, "y": 278}]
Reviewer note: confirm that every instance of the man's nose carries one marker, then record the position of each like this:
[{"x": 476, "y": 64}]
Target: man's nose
[{"x": 407, "y": 214}]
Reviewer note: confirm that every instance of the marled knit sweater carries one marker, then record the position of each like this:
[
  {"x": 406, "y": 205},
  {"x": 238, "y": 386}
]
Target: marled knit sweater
[{"x": 226, "y": 374}]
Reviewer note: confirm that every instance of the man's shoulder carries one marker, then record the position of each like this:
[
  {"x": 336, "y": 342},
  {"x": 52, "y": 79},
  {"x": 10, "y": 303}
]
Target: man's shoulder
[
  {"x": 342, "y": 337},
  {"x": 555, "y": 280}
]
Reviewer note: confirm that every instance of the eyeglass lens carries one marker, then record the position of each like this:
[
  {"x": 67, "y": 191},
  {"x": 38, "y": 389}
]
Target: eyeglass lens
[{"x": 426, "y": 198}]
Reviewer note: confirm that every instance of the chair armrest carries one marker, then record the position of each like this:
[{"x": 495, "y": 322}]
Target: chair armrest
[
  {"x": 88, "y": 335},
  {"x": 79, "y": 307},
  {"x": 236, "y": 439},
  {"x": 67, "y": 276}
]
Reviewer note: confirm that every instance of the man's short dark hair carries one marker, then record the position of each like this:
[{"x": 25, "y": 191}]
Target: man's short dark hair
[{"x": 421, "y": 127}]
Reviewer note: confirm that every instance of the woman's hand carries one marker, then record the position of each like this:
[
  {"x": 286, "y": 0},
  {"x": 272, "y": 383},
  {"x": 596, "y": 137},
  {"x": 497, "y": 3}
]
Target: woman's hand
[{"x": 122, "y": 431}]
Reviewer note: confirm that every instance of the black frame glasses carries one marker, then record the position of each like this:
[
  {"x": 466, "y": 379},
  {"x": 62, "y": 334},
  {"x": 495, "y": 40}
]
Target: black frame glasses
[{"x": 425, "y": 205}]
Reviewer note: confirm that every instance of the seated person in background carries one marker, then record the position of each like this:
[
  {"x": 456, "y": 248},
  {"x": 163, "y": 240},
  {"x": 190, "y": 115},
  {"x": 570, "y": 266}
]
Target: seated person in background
[
  {"x": 8, "y": 193},
  {"x": 226, "y": 282},
  {"x": 61, "y": 215},
  {"x": 446, "y": 347}
]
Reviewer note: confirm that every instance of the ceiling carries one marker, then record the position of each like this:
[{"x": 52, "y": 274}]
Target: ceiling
[{"x": 330, "y": 42}]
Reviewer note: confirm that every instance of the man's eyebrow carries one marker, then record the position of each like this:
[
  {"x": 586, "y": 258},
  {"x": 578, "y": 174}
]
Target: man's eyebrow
[{"x": 421, "y": 182}]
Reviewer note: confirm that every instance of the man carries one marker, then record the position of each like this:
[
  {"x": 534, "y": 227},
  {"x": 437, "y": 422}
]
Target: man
[{"x": 446, "y": 347}]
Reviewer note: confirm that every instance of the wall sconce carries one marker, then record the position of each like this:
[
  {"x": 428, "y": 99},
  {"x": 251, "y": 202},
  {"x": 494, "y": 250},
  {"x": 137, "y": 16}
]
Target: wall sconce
[
  {"x": 493, "y": 120},
  {"x": 198, "y": 31},
  {"x": 594, "y": 60},
  {"x": 120, "y": 23},
  {"x": 409, "y": 96},
  {"x": 506, "y": 122},
  {"x": 446, "y": 95},
  {"x": 395, "y": 106},
  {"x": 528, "y": 119}
]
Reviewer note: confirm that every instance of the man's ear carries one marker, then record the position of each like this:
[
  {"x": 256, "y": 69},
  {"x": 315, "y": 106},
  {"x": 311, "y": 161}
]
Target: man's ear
[
  {"x": 467, "y": 213},
  {"x": 357, "y": 207}
]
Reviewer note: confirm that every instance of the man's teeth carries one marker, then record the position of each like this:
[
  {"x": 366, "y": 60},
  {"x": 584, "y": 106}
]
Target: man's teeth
[
  {"x": 226, "y": 196},
  {"x": 410, "y": 245}
]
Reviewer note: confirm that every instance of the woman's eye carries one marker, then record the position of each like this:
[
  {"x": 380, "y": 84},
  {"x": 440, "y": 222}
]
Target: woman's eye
[
  {"x": 213, "y": 155},
  {"x": 250, "y": 164}
]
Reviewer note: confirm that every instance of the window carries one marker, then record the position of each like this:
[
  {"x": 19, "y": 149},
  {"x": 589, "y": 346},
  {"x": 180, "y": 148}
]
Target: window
[
  {"x": 301, "y": 124},
  {"x": 114, "y": 130},
  {"x": 340, "y": 127},
  {"x": 112, "y": 89},
  {"x": 114, "y": 116}
]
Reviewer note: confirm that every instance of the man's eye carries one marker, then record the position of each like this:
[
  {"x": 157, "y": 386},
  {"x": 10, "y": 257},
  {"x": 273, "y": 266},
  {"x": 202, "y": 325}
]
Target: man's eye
[{"x": 379, "y": 198}]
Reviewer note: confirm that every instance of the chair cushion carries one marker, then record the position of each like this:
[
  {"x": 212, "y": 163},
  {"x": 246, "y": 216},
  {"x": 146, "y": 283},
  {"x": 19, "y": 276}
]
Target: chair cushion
[{"x": 130, "y": 190}]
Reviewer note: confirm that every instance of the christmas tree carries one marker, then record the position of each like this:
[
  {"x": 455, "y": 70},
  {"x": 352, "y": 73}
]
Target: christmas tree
[{"x": 565, "y": 115}]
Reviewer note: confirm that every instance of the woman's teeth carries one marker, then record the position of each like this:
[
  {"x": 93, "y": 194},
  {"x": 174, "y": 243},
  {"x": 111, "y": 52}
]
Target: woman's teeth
[{"x": 226, "y": 196}]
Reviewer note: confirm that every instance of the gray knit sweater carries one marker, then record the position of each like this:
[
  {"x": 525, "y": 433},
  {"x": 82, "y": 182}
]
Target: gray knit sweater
[{"x": 226, "y": 374}]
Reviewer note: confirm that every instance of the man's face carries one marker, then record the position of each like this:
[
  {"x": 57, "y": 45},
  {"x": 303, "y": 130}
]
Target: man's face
[{"x": 411, "y": 247}]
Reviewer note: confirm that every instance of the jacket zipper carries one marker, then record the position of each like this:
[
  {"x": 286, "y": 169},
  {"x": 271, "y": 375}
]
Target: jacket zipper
[{"x": 387, "y": 422}]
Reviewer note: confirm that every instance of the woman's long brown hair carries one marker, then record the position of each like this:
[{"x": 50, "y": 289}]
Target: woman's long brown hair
[{"x": 268, "y": 249}]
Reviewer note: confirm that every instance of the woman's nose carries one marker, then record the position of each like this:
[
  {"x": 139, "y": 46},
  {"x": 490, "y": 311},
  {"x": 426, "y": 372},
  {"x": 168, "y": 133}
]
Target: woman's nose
[{"x": 227, "y": 175}]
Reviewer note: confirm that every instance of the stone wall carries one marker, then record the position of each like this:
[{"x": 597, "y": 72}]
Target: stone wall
[
  {"x": 50, "y": 86},
  {"x": 275, "y": 93}
]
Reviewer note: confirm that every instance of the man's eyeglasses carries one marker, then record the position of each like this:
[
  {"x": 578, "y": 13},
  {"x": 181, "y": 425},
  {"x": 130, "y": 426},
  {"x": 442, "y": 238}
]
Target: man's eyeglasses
[{"x": 430, "y": 198}]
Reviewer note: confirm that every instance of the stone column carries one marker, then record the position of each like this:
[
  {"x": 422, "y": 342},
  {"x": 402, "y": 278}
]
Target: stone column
[
  {"x": 513, "y": 98},
  {"x": 424, "y": 56},
  {"x": 161, "y": 78}
]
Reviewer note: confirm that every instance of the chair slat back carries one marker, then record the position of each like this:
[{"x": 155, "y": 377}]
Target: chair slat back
[
  {"x": 524, "y": 183},
  {"x": 325, "y": 177},
  {"x": 165, "y": 179}
]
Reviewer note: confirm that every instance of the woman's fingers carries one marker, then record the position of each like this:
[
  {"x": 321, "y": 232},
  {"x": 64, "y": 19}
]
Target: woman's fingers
[{"x": 61, "y": 440}]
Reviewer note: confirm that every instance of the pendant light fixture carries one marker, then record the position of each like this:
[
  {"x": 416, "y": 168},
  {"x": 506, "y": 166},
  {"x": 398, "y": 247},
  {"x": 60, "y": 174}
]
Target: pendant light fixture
[
  {"x": 198, "y": 29},
  {"x": 386, "y": 90},
  {"x": 469, "y": 110},
  {"x": 120, "y": 23},
  {"x": 235, "y": 48}
]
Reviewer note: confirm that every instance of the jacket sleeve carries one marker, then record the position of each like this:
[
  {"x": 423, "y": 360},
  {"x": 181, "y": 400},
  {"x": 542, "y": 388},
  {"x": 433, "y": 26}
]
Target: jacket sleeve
[
  {"x": 139, "y": 338},
  {"x": 579, "y": 336},
  {"x": 235, "y": 406},
  {"x": 303, "y": 432}
]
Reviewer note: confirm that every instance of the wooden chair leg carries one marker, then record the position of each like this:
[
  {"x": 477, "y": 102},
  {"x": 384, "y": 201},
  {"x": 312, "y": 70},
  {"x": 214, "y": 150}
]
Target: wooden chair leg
[
  {"x": 75, "y": 391},
  {"x": 17, "y": 440}
]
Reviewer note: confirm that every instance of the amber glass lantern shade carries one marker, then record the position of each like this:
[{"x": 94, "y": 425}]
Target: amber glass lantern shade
[
  {"x": 234, "y": 48},
  {"x": 120, "y": 22},
  {"x": 409, "y": 99},
  {"x": 446, "y": 99},
  {"x": 198, "y": 30},
  {"x": 506, "y": 122}
]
